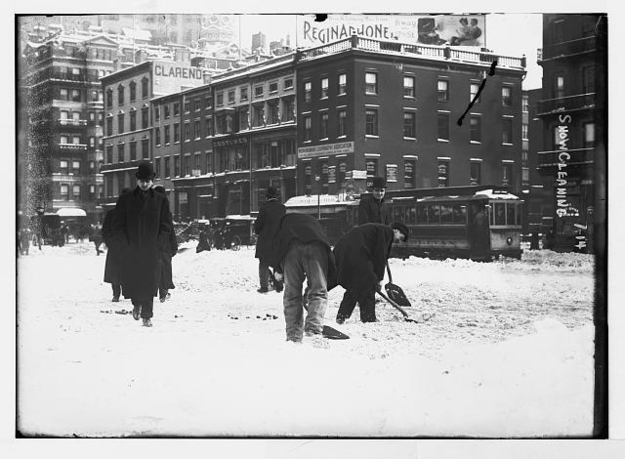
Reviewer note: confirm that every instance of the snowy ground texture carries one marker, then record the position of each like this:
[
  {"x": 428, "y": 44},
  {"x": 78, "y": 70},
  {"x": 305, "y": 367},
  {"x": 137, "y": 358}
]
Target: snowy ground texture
[{"x": 507, "y": 354}]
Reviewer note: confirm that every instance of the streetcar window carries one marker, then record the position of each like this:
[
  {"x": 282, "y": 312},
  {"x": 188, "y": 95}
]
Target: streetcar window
[
  {"x": 446, "y": 214},
  {"x": 433, "y": 212},
  {"x": 499, "y": 213},
  {"x": 410, "y": 215},
  {"x": 510, "y": 211},
  {"x": 459, "y": 214},
  {"x": 422, "y": 215}
]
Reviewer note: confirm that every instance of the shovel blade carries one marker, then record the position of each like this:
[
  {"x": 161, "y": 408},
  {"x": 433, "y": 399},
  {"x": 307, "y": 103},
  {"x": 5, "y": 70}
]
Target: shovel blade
[{"x": 396, "y": 294}]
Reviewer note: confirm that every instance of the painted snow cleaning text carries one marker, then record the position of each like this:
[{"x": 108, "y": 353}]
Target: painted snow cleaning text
[{"x": 563, "y": 158}]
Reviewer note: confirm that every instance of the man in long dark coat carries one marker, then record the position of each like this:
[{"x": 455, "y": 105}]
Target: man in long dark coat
[
  {"x": 301, "y": 250},
  {"x": 361, "y": 255},
  {"x": 113, "y": 264},
  {"x": 167, "y": 250},
  {"x": 142, "y": 222},
  {"x": 372, "y": 208},
  {"x": 265, "y": 226}
]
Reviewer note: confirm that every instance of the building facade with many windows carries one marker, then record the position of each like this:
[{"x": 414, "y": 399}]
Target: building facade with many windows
[
  {"x": 572, "y": 109},
  {"x": 368, "y": 107}
]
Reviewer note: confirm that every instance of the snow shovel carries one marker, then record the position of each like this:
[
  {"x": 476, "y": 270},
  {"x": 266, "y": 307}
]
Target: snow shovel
[
  {"x": 394, "y": 291},
  {"x": 407, "y": 318}
]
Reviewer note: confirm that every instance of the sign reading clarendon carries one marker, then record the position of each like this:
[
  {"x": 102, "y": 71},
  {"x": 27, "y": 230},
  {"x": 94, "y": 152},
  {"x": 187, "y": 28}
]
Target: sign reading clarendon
[
  {"x": 169, "y": 77},
  {"x": 325, "y": 150}
]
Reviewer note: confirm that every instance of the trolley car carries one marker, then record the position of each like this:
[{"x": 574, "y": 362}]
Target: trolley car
[{"x": 442, "y": 221}]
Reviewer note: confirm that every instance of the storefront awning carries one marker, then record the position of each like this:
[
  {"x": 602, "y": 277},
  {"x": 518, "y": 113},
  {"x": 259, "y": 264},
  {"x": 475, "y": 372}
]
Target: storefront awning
[{"x": 71, "y": 212}]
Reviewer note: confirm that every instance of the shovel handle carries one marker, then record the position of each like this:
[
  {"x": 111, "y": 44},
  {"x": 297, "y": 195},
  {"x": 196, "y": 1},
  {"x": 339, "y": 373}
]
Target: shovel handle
[{"x": 395, "y": 305}]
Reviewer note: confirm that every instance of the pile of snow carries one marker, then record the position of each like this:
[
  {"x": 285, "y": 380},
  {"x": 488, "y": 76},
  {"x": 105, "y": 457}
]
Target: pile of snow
[{"x": 508, "y": 353}]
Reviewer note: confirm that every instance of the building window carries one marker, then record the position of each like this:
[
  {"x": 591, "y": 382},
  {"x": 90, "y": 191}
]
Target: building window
[
  {"x": 475, "y": 89},
  {"x": 109, "y": 98},
  {"x": 409, "y": 87},
  {"x": 243, "y": 93},
  {"x": 443, "y": 90},
  {"x": 209, "y": 162},
  {"x": 443, "y": 126},
  {"x": 176, "y": 109},
  {"x": 120, "y": 94},
  {"x": 167, "y": 166},
  {"x": 410, "y": 125},
  {"x": 109, "y": 154},
  {"x": 176, "y": 166},
  {"x": 144, "y": 118},
  {"x": 589, "y": 135},
  {"x": 167, "y": 111},
  {"x": 342, "y": 84},
  {"x": 476, "y": 172},
  {"x": 157, "y": 113},
  {"x": 76, "y": 95},
  {"x": 307, "y": 128},
  {"x": 64, "y": 166},
  {"x": 525, "y": 103},
  {"x": 64, "y": 191},
  {"x": 443, "y": 173},
  {"x": 157, "y": 136},
  {"x": 323, "y": 127},
  {"x": 289, "y": 109},
  {"x": 187, "y": 132},
  {"x": 197, "y": 106},
  {"x": 258, "y": 92},
  {"x": 588, "y": 79},
  {"x": 208, "y": 126},
  {"x": 197, "y": 128},
  {"x": 144, "y": 88},
  {"x": 133, "y": 91},
  {"x": 273, "y": 87},
  {"x": 506, "y": 96},
  {"x": 121, "y": 153},
  {"x": 288, "y": 83},
  {"x": 120, "y": 123},
  {"x": 324, "y": 88},
  {"x": 475, "y": 126},
  {"x": 506, "y": 173},
  {"x": 145, "y": 149},
  {"x": 524, "y": 131},
  {"x": 371, "y": 166},
  {"x": 133, "y": 120},
  {"x": 220, "y": 99},
  {"x": 307, "y": 91},
  {"x": 231, "y": 96},
  {"x": 342, "y": 122},
  {"x": 410, "y": 173},
  {"x": 371, "y": 83},
  {"x": 133, "y": 151},
  {"x": 506, "y": 131},
  {"x": 157, "y": 167},
  {"x": 558, "y": 87},
  {"x": 259, "y": 115},
  {"x": 371, "y": 115},
  {"x": 166, "y": 134},
  {"x": 176, "y": 132}
]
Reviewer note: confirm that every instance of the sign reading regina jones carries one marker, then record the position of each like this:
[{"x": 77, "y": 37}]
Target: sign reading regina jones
[
  {"x": 325, "y": 150},
  {"x": 451, "y": 29}
]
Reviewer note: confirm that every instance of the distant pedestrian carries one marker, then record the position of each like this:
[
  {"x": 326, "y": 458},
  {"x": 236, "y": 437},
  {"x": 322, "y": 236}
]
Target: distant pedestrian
[
  {"x": 372, "y": 208},
  {"x": 361, "y": 255},
  {"x": 301, "y": 250},
  {"x": 24, "y": 237},
  {"x": 114, "y": 262},
  {"x": 142, "y": 223},
  {"x": 203, "y": 243},
  {"x": 266, "y": 226},
  {"x": 167, "y": 250},
  {"x": 96, "y": 237}
]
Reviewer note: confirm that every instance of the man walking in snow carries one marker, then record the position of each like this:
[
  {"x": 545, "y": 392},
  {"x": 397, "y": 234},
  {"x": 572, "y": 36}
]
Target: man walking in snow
[
  {"x": 301, "y": 251},
  {"x": 142, "y": 223},
  {"x": 361, "y": 255},
  {"x": 113, "y": 264},
  {"x": 167, "y": 250},
  {"x": 266, "y": 226}
]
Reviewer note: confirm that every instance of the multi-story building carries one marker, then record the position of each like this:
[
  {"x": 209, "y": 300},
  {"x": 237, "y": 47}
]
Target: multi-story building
[
  {"x": 572, "y": 110},
  {"x": 130, "y": 95},
  {"x": 62, "y": 97},
  {"x": 368, "y": 107}
]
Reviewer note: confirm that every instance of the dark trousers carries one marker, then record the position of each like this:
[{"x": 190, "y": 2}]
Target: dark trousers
[
  {"x": 147, "y": 306},
  {"x": 263, "y": 273},
  {"x": 366, "y": 301},
  {"x": 117, "y": 290}
]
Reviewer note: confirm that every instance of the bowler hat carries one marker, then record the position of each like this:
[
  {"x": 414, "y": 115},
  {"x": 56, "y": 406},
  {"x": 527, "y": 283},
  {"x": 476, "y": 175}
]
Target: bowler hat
[
  {"x": 145, "y": 171},
  {"x": 271, "y": 192},
  {"x": 379, "y": 182}
]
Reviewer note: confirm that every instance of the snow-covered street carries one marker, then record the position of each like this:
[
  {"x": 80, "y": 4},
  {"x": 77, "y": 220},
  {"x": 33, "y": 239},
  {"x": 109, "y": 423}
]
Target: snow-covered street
[{"x": 507, "y": 354}]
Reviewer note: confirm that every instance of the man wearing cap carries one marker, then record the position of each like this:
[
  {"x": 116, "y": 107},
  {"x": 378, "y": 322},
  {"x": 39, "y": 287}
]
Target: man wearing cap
[
  {"x": 266, "y": 226},
  {"x": 372, "y": 208},
  {"x": 142, "y": 224},
  {"x": 361, "y": 255}
]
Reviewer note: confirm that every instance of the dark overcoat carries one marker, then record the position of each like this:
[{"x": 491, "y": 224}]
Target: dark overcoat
[
  {"x": 113, "y": 264},
  {"x": 370, "y": 210},
  {"x": 361, "y": 255},
  {"x": 266, "y": 226},
  {"x": 168, "y": 249},
  {"x": 142, "y": 224},
  {"x": 306, "y": 229}
]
